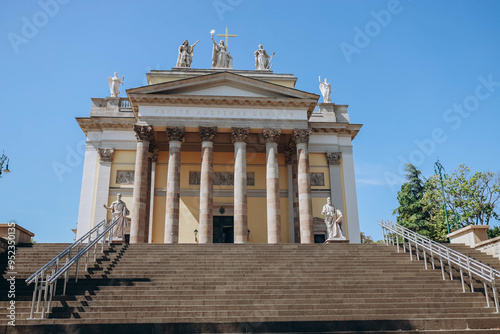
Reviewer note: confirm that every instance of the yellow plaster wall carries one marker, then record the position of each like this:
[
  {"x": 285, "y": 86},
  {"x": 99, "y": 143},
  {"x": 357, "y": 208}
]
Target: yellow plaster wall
[
  {"x": 189, "y": 211},
  {"x": 318, "y": 159},
  {"x": 159, "y": 219},
  {"x": 257, "y": 220}
]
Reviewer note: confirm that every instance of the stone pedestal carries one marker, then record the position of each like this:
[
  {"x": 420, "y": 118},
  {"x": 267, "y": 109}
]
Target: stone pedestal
[
  {"x": 337, "y": 241},
  {"x": 470, "y": 235},
  {"x": 21, "y": 235}
]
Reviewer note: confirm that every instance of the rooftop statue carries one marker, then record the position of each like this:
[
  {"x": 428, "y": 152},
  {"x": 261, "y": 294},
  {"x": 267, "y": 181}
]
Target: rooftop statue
[
  {"x": 114, "y": 85},
  {"x": 326, "y": 90},
  {"x": 185, "y": 57},
  {"x": 220, "y": 56},
  {"x": 262, "y": 59}
]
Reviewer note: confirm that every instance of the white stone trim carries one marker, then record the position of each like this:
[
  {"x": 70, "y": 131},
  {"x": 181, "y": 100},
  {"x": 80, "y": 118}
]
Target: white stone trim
[
  {"x": 102, "y": 192},
  {"x": 87, "y": 191},
  {"x": 350, "y": 195}
]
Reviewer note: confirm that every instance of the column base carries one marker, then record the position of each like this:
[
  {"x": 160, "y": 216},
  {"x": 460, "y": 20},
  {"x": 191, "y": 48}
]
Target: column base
[{"x": 337, "y": 241}]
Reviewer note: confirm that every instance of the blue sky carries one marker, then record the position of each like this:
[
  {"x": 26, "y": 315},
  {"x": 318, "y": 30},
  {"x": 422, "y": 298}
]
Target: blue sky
[{"x": 422, "y": 76}]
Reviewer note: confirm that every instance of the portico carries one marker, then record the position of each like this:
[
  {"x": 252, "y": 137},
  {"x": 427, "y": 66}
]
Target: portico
[{"x": 231, "y": 143}]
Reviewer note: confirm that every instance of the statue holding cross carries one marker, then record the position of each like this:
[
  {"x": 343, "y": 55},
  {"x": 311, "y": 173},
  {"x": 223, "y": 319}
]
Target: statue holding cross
[{"x": 221, "y": 58}]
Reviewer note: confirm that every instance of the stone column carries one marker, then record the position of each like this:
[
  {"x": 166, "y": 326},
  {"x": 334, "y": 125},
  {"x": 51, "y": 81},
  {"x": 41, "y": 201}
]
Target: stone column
[
  {"x": 207, "y": 137},
  {"x": 152, "y": 195},
  {"x": 271, "y": 137},
  {"x": 103, "y": 180},
  {"x": 304, "y": 186},
  {"x": 138, "y": 226},
  {"x": 239, "y": 136},
  {"x": 334, "y": 160},
  {"x": 288, "y": 160},
  {"x": 295, "y": 189},
  {"x": 175, "y": 136}
]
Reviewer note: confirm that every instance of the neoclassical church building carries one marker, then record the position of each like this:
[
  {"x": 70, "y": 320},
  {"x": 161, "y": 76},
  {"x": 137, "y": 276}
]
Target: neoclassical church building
[{"x": 219, "y": 155}]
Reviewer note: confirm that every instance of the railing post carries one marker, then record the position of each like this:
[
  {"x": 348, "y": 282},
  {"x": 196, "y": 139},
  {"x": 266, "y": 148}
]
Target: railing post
[
  {"x": 33, "y": 301},
  {"x": 425, "y": 258},
  {"x": 442, "y": 266},
  {"x": 411, "y": 251},
  {"x": 40, "y": 292},
  {"x": 449, "y": 263},
  {"x": 397, "y": 242},
  {"x": 470, "y": 275},
  {"x": 45, "y": 295},
  {"x": 416, "y": 250},
  {"x": 432, "y": 256},
  {"x": 495, "y": 294},
  {"x": 486, "y": 294},
  {"x": 404, "y": 246},
  {"x": 461, "y": 275}
]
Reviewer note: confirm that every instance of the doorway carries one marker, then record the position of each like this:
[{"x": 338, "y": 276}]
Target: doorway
[{"x": 223, "y": 230}]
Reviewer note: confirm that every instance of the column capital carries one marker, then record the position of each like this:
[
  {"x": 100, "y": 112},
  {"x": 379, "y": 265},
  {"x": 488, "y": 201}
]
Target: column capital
[
  {"x": 301, "y": 135},
  {"x": 240, "y": 135},
  {"x": 334, "y": 158},
  {"x": 175, "y": 133},
  {"x": 207, "y": 133},
  {"x": 106, "y": 154},
  {"x": 143, "y": 132},
  {"x": 271, "y": 135}
]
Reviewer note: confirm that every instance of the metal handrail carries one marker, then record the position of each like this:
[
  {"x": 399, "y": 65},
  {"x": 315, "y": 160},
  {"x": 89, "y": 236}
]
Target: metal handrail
[
  {"x": 77, "y": 257},
  {"x": 393, "y": 232},
  {"x": 65, "y": 252},
  {"x": 47, "y": 283}
]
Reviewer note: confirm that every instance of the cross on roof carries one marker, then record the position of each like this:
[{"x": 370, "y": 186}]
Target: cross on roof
[{"x": 226, "y": 35}]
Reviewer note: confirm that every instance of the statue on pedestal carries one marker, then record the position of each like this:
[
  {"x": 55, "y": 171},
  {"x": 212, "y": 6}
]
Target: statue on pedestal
[
  {"x": 333, "y": 221},
  {"x": 114, "y": 85},
  {"x": 220, "y": 56},
  {"x": 326, "y": 90},
  {"x": 120, "y": 213},
  {"x": 262, "y": 59},
  {"x": 185, "y": 57}
]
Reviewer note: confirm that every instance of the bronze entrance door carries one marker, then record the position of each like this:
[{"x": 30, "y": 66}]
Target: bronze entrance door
[{"x": 223, "y": 229}]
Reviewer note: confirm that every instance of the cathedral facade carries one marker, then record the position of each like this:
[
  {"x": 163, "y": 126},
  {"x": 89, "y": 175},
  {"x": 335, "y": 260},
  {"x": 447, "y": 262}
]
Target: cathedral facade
[{"x": 219, "y": 155}]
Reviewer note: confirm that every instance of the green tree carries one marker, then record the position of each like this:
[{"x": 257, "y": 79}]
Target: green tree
[
  {"x": 410, "y": 212},
  {"x": 472, "y": 199},
  {"x": 366, "y": 239},
  {"x": 432, "y": 203}
]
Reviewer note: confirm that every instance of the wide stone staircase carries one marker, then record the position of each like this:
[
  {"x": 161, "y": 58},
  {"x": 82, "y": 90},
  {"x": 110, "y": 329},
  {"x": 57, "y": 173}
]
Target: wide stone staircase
[{"x": 159, "y": 288}]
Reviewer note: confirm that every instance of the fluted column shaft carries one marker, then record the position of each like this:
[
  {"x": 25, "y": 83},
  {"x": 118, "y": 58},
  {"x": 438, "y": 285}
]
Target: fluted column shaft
[
  {"x": 207, "y": 136},
  {"x": 240, "y": 136},
  {"x": 304, "y": 187},
  {"x": 271, "y": 137},
  {"x": 173, "y": 185},
  {"x": 138, "y": 225}
]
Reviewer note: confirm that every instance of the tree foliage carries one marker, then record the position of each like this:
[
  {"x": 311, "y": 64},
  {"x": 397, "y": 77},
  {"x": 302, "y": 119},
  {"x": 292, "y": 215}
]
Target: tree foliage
[
  {"x": 410, "y": 212},
  {"x": 471, "y": 199}
]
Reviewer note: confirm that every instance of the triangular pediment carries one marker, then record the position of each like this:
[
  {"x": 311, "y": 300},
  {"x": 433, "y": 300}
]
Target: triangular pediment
[{"x": 223, "y": 84}]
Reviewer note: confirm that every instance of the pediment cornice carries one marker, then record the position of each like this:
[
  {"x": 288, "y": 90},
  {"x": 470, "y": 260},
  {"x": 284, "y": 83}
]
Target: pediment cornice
[{"x": 226, "y": 101}]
